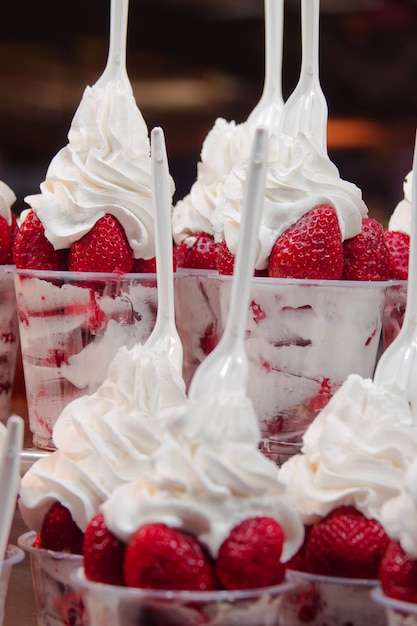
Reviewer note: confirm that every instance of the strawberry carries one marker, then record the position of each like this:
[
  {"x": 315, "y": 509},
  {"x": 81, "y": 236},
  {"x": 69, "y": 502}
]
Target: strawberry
[
  {"x": 103, "y": 553},
  {"x": 346, "y": 543},
  {"x": 366, "y": 255},
  {"x": 144, "y": 266},
  {"x": 310, "y": 248},
  {"x": 198, "y": 251},
  {"x": 32, "y": 250},
  {"x": 104, "y": 248},
  {"x": 225, "y": 259},
  {"x": 250, "y": 556},
  {"x": 59, "y": 532},
  {"x": 160, "y": 557},
  {"x": 5, "y": 240},
  {"x": 398, "y": 245},
  {"x": 398, "y": 574}
]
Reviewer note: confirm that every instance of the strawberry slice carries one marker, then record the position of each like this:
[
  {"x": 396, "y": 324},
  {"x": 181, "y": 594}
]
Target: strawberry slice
[
  {"x": 398, "y": 245},
  {"x": 160, "y": 557},
  {"x": 250, "y": 556},
  {"x": 104, "y": 248},
  {"x": 310, "y": 248},
  {"x": 366, "y": 255},
  {"x": 32, "y": 250},
  {"x": 103, "y": 553},
  {"x": 59, "y": 532},
  {"x": 398, "y": 574},
  {"x": 225, "y": 259},
  {"x": 198, "y": 251},
  {"x": 346, "y": 543}
]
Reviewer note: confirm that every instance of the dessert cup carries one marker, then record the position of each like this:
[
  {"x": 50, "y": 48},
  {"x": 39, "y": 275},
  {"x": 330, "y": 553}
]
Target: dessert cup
[
  {"x": 71, "y": 326},
  {"x": 330, "y": 601},
  {"x": 303, "y": 339},
  {"x": 397, "y": 613},
  {"x": 394, "y": 310},
  {"x": 57, "y": 601},
  {"x": 13, "y": 556},
  {"x": 107, "y": 605},
  {"x": 9, "y": 337}
]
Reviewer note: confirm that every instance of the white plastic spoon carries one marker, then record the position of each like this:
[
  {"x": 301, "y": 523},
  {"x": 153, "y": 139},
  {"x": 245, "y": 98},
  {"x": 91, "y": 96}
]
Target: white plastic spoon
[
  {"x": 399, "y": 361},
  {"x": 226, "y": 367},
  {"x": 268, "y": 110},
  {"x": 10, "y": 478},
  {"x": 306, "y": 109},
  {"x": 165, "y": 332},
  {"x": 115, "y": 69}
]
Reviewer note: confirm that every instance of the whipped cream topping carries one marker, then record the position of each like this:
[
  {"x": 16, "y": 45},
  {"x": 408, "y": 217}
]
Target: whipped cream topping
[
  {"x": 207, "y": 476},
  {"x": 399, "y": 515},
  {"x": 225, "y": 145},
  {"x": 105, "y": 439},
  {"x": 105, "y": 168},
  {"x": 300, "y": 176},
  {"x": 7, "y": 199},
  {"x": 355, "y": 452},
  {"x": 401, "y": 217}
]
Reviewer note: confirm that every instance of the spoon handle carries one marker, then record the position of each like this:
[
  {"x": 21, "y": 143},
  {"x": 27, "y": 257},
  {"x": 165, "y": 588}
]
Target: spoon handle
[
  {"x": 410, "y": 316},
  {"x": 116, "y": 59},
  {"x": 310, "y": 15}
]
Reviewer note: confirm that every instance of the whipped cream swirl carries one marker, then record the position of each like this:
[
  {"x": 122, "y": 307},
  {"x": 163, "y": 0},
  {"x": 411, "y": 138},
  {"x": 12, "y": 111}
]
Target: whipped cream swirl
[
  {"x": 105, "y": 439},
  {"x": 7, "y": 199},
  {"x": 399, "y": 515},
  {"x": 105, "y": 168},
  {"x": 300, "y": 176},
  {"x": 401, "y": 217},
  {"x": 355, "y": 452},
  {"x": 207, "y": 476}
]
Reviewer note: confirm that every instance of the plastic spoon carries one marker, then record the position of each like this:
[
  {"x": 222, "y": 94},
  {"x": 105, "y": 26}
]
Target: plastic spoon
[
  {"x": 115, "y": 69},
  {"x": 10, "y": 478},
  {"x": 165, "y": 332},
  {"x": 399, "y": 361},
  {"x": 226, "y": 368},
  {"x": 268, "y": 110},
  {"x": 306, "y": 109}
]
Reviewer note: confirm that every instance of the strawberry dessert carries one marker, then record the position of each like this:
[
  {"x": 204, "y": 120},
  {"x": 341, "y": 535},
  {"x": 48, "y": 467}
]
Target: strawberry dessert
[
  {"x": 81, "y": 251},
  {"x": 398, "y": 568},
  {"x": 352, "y": 463},
  {"x": 9, "y": 331},
  {"x": 103, "y": 440},
  {"x": 202, "y": 537}
]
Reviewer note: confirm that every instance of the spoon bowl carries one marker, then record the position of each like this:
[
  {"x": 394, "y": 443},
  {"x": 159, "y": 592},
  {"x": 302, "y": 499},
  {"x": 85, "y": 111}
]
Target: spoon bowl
[{"x": 226, "y": 368}]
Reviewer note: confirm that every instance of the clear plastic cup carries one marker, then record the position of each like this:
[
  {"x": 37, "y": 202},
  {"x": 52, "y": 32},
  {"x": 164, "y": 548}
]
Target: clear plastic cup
[
  {"x": 13, "y": 556},
  {"x": 9, "y": 339},
  {"x": 330, "y": 601},
  {"x": 58, "y": 602},
  {"x": 71, "y": 326},
  {"x": 108, "y": 605},
  {"x": 397, "y": 612},
  {"x": 394, "y": 311},
  {"x": 303, "y": 339}
]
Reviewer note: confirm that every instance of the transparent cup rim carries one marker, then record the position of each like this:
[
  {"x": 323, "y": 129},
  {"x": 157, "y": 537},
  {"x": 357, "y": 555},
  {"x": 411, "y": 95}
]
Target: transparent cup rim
[
  {"x": 221, "y": 595},
  {"x": 85, "y": 276},
  {"x": 293, "y": 574},
  {"x": 27, "y": 540},
  {"x": 392, "y": 603},
  {"x": 13, "y": 556}
]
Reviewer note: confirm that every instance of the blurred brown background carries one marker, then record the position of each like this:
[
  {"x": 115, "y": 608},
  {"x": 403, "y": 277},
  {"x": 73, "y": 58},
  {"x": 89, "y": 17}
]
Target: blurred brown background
[{"x": 193, "y": 60}]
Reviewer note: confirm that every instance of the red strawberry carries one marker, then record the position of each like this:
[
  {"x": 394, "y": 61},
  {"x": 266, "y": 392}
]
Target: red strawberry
[
  {"x": 398, "y": 574},
  {"x": 160, "y": 557},
  {"x": 103, "y": 553},
  {"x": 104, "y": 248},
  {"x": 398, "y": 245},
  {"x": 310, "y": 248},
  {"x": 250, "y": 556},
  {"x": 346, "y": 543},
  {"x": 198, "y": 251},
  {"x": 144, "y": 266},
  {"x": 225, "y": 259},
  {"x": 366, "y": 255},
  {"x": 59, "y": 532},
  {"x": 32, "y": 250},
  {"x": 5, "y": 240}
]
